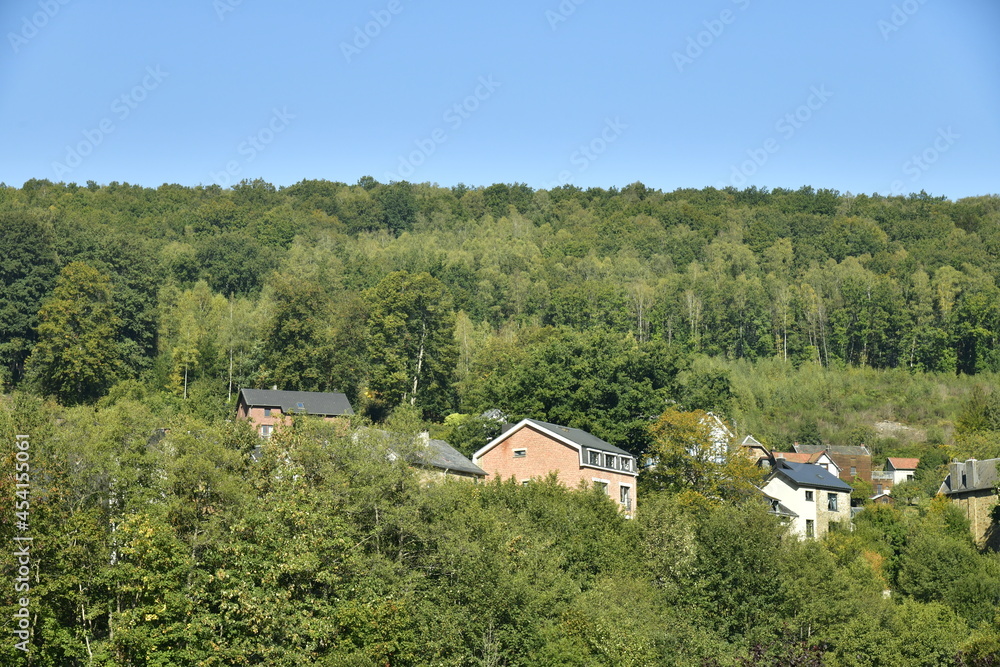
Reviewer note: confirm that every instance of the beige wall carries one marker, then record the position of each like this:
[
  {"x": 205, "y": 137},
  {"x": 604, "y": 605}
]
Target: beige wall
[{"x": 978, "y": 506}]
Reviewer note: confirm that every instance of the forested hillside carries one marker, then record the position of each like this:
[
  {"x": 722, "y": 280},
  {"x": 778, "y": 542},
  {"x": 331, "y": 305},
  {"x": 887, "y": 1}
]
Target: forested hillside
[
  {"x": 808, "y": 316},
  {"x": 600, "y": 301}
]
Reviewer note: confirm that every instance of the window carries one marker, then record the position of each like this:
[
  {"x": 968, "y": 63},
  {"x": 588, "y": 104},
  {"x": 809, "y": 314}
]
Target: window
[
  {"x": 809, "y": 496},
  {"x": 909, "y": 478},
  {"x": 267, "y": 412},
  {"x": 601, "y": 484},
  {"x": 594, "y": 458},
  {"x": 525, "y": 482},
  {"x": 609, "y": 461},
  {"x": 810, "y": 528},
  {"x": 265, "y": 431},
  {"x": 626, "y": 463},
  {"x": 831, "y": 502},
  {"x": 520, "y": 453},
  {"x": 625, "y": 495},
  {"x": 854, "y": 471},
  {"x": 300, "y": 407},
  {"x": 825, "y": 466},
  {"x": 878, "y": 489}
]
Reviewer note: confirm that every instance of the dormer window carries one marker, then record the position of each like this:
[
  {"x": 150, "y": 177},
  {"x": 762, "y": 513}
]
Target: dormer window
[
  {"x": 594, "y": 458},
  {"x": 609, "y": 461},
  {"x": 626, "y": 463}
]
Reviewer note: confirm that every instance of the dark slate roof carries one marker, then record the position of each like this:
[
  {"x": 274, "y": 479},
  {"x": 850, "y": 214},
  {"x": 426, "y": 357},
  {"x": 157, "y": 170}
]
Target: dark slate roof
[
  {"x": 778, "y": 508},
  {"x": 581, "y": 438},
  {"x": 313, "y": 402},
  {"x": 840, "y": 450},
  {"x": 439, "y": 454},
  {"x": 426, "y": 453},
  {"x": 986, "y": 471},
  {"x": 807, "y": 474}
]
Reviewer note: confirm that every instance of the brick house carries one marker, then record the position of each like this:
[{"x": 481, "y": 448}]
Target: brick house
[
  {"x": 815, "y": 496},
  {"x": 972, "y": 486},
  {"x": 532, "y": 449},
  {"x": 267, "y": 408}
]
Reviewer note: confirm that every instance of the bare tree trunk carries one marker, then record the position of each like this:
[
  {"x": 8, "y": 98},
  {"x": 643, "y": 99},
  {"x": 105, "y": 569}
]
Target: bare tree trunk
[{"x": 420, "y": 363}]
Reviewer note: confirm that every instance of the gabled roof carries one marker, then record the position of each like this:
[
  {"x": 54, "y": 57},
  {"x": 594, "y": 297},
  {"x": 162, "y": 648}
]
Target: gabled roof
[
  {"x": 572, "y": 436},
  {"x": 809, "y": 475},
  {"x": 796, "y": 457},
  {"x": 424, "y": 452},
  {"x": 439, "y": 454},
  {"x": 778, "y": 508},
  {"x": 312, "y": 402},
  {"x": 972, "y": 475},
  {"x": 903, "y": 464},
  {"x": 751, "y": 441},
  {"x": 840, "y": 450}
]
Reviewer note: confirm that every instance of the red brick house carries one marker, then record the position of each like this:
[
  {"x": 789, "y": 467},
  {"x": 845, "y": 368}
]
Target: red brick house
[
  {"x": 533, "y": 449},
  {"x": 270, "y": 408}
]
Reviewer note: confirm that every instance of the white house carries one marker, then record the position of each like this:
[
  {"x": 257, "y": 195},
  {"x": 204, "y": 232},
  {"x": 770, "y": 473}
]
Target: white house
[
  {"x": 816, "y": 497},
  {"x": 902, "y": 469}
]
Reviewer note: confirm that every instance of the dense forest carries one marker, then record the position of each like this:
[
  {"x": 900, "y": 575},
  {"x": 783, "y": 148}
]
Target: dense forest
[{"x": 798, "y": 316}]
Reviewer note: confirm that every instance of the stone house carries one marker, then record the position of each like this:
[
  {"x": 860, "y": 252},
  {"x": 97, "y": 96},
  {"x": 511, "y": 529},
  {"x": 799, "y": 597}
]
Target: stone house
[{"x": 972, "y": 486}]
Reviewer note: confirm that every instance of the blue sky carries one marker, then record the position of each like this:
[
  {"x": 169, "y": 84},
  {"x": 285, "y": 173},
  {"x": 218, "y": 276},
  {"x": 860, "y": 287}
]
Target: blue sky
[{"x": 884, "y": 96}]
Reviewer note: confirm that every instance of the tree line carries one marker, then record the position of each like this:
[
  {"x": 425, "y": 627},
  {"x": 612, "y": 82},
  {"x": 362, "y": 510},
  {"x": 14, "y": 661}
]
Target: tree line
[{"x": 445, "y": 297}]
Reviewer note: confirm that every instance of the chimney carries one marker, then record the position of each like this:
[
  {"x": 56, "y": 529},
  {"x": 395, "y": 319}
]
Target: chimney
[
  {"x": 779, "y": 461},
  {"x": 957, "y": 472},
  {"x": 274, "y": 387},
  {"x": 972, "y": 473}
]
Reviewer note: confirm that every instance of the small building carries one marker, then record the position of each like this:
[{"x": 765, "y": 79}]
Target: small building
[
  {"x": 268, "y": 408},
  {"x": 532, "y": 449},
  {"x": 757, "y": 452},
  {"x": 883, "y": 498},
  {"x": 972, "y": 486},
  {"x": 902, "y": 469},
  {"x": 816, "y": 497},
  {"x": 895, "y": 471}
]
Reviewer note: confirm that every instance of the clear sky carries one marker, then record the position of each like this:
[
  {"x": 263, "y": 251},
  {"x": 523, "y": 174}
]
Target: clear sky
[{"x": 887, "y": 96}]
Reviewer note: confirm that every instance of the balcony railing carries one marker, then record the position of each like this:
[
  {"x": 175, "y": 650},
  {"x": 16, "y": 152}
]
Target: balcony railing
[{"x": 880, "y": 475}]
